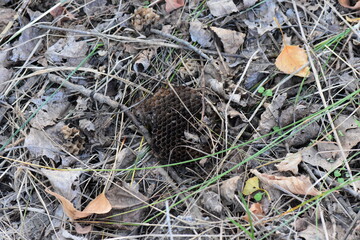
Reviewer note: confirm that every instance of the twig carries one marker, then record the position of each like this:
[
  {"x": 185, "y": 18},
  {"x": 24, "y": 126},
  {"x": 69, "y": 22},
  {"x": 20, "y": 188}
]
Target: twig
[
  {"x": 145, "y": 41},
  {"x": 183, "y": 42},
  {"x": 42, "y": 71},
  {"x": 113, "y": 37},
  {"x": 102, "y": 99},
  {"x": 313, "y": 171},
  {"x": 351, "y": 227},
  {"x": 323, "y": 99},
  {"x": 168, "y": 220}
]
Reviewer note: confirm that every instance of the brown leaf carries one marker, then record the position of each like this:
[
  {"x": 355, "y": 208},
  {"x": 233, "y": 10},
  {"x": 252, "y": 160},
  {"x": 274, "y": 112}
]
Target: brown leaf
[
  {"x": 173, "y": 4},
  {"x": 327, "y": 154},
  {"x": 303, "y": 136},
  {"x": 220, "y": 8},
  {"x": 290, "y": 163},
  {"x": 354, "y": 5},
  {"x": 99, "y": 205},
  {"x": 82, "y": 230},
  {"x": 229, "y": 187},
  {"x": 57, "y": 11},
  {"x": 128, "y": 206},
  {"x": 291, "y": 59},
  {"x": 269, "y": 118},
  {"x": 297, "y": 185},
  {"x": 230, "y": 39},
  {"x": 257, "y": 211}
]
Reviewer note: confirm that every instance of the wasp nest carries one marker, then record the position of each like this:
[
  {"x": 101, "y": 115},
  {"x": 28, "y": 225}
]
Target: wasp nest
[
  {"x": 72, "y": 140},
  {"x": 170, "y": 116},
  {"x": 144, "y": 17}
]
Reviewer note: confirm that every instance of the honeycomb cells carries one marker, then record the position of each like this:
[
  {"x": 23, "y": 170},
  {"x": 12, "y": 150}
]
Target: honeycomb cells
[{"x": 168, "y": 114}]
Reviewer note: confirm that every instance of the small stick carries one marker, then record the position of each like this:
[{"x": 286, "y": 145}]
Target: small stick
[
  {"x": 102, "y": 99},
  {"x": 313, "y": 171},
  {"x": 183, "y": 42}
]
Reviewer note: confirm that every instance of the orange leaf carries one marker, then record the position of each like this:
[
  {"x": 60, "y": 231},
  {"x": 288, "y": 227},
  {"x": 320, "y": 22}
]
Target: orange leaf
[
  {"x": 99, "y": 205},
  {"x": 291, "y": 59},
  {"x": 173, "y": 4},
  {"x": 257, "y": 210},
  {"x": 57, "y": 11},
  {"x": 297, "y": 185},
  {"x": 348, "y": 4}
]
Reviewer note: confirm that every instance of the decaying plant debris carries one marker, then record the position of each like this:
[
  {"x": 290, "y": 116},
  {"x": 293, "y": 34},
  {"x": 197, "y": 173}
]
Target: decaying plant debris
[{"x": 175, "y": 119}]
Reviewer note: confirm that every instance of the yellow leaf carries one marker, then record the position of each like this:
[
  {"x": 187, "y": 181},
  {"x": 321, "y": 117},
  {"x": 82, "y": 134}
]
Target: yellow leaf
[
  {"x": 251, "y": 185},
  {"x": 291, "y": 59},
  {"x": 352, "y": 19}
]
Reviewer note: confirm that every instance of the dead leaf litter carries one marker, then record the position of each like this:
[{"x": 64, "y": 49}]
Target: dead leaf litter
[{"x": 178, "y": 119}]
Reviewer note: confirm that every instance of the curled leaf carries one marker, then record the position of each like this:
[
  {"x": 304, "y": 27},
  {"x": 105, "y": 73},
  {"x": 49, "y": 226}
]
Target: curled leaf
[
  {"x": 354, "y": 5},
  {"x": 297, "y": 185},
  {"x": 290, "y": 163},
  {"x": 99, "y": 205}
]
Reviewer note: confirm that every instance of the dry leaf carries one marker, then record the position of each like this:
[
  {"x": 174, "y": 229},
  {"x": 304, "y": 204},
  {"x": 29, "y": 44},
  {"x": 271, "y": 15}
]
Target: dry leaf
[
  {"x": 257, "y": 211},
  {"x": 38, "y": 143},
  {"x": 290, "y": 163},
  {"x": 270, "y": 117},
  {"x": 63, "y": 182},
  {"x": 66, "y": 235},
  {"x": 291, "y": 59},
  {"x": 82, "y": 230},
  {"x": 57, "y": 11},
  {"x": 5, "y": 75},
  {"x": 350, "y": 4},
  {"x": 173, "y": 4},
  {"x": 229, "y": 187},
  {"x": 251, "y": 185},
  {"x": 200, "y": 34},
  {"x": 220, "y": 8},
  {"x": 6, "y": 15},
  {"x": 301, "y": 137},
  {"x": 230, "y": 39},
  {"x": 53, "y": 110},
  {"x": 297, "y": 185},
  {"x": 128, "y": 206},
  {"x": 327, "y": 154},
  {"x": 68, "y": 50},
  {"x": 142, "y": 61},
  {"x": 25, "y": 46},
  {"x": 92, "y": 8},
  {"x": 99, "y": 205},
  {"x": 261, "y": 18},
  {"x": 211, "y": 202}
]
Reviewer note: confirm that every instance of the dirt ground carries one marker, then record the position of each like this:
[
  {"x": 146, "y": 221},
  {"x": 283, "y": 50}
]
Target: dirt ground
[{"x": 172, "y": 119}]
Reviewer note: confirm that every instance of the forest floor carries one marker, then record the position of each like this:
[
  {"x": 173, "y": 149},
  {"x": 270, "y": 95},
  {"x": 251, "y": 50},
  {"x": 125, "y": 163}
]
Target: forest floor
[{"x": 217, "y": 119}]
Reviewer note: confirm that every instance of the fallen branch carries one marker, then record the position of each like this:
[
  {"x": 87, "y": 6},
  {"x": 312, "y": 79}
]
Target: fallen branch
[{"x": 102, "y": 99}]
